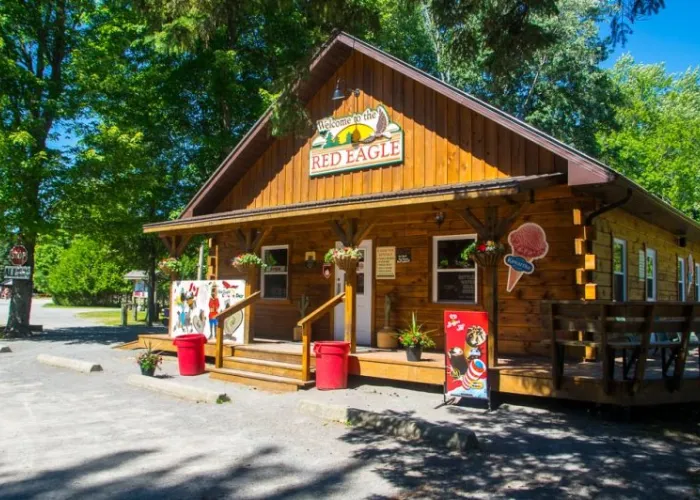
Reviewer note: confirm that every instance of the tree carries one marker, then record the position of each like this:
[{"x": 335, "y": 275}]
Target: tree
[
  {"x": 658, "y": 140},
  {"x": 37, "y": 41},
  {"x": 547, "y": 74},
  {"x": 87, "y": 273}
]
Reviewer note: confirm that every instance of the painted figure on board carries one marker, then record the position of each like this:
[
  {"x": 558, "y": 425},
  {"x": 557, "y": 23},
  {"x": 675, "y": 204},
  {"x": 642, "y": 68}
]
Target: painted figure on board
[{"x": 213, "y": 310}]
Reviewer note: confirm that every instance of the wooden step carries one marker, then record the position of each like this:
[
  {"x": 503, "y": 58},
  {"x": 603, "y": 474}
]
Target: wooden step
[
  {"x": 256, "y": 351},
  {"x": 260, "y": 380},
  {"x": 264, "y": 366}
]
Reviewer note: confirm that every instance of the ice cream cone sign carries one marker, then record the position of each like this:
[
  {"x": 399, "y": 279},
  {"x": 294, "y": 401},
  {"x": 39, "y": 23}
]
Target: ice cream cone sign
[{"x": 528, "y": 243}]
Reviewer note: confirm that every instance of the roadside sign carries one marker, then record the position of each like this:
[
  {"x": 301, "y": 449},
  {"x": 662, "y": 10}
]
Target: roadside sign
[
  {"x": 18, "y": 272},
  {"x": 18, "y": 255}
]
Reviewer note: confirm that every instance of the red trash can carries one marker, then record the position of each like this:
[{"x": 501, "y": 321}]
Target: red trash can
[
  {"x": 331, "y": 365},
  {"x": 190, "y": 353}
]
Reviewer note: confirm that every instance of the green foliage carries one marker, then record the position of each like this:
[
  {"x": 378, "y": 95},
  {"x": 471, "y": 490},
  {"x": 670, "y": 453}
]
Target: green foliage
[
  {"x": 658, "y": 140},
  {"x": 88, "y": 274},
  {"x": 414, "y": 335},
  {"x": 48, "y": 255}
]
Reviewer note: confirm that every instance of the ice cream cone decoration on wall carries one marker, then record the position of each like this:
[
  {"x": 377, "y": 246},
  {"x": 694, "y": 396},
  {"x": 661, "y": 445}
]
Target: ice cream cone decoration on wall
[{"x": 528, "y": 243}]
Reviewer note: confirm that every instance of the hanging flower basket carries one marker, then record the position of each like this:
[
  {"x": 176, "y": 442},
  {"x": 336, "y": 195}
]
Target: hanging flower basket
[
  {"x": 169, "y": 265},
  {"x": 345, "y": 258},
  {"x": 247, "y": 261},
  {"x": 484, "y": 253}
]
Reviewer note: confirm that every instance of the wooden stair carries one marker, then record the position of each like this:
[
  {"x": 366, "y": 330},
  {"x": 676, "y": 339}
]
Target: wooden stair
[{"x": 263, "y": 368}]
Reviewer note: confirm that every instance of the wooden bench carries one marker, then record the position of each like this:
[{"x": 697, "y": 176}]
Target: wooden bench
[{"x": 624, "y": 327}]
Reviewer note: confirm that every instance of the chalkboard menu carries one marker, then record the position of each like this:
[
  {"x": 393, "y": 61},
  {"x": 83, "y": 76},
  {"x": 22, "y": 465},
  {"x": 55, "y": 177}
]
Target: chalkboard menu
[{"x": 456, "y": 287}]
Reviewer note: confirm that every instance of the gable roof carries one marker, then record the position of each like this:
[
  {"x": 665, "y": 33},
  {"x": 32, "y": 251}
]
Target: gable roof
[{"x": 584, "y": 171}]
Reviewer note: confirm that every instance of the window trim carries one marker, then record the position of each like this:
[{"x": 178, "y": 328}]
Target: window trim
[
  {"x": 650, "y": 252},
  {"x": 263, "y": 273},
  {"x": 435, "y": 270},
  {"x": 696, "y": 282},
  {"x": 681, "y": 266},
  {"x": 624, "y": 268}
]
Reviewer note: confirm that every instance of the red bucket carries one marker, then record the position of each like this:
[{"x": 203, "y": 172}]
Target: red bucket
[
  {"x": 331, "y": 365},
  {"x": 190, "y": 353}
]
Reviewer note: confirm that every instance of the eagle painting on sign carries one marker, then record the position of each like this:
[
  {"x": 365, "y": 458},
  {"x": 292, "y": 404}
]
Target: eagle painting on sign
[
  {"x": 361, "y": 140},
  {"x": 195, "y": 304}
]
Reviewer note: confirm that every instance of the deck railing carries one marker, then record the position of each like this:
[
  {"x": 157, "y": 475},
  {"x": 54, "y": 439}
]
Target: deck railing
[
  {"x": 305, "y": 325},
  {"x": 221, "y": 318},
  {"x": 626, "y": 328}
]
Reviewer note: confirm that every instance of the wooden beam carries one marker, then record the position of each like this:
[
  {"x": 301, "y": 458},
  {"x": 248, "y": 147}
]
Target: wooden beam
[
  {"x": 350, "y": 309},
  {"x": 167, "y": 242},
  {"x": 182, "y": 244},
  {"x": 259, "y": 238},
  {"x": 362, "y": 234},
  {"x": 251, "y": 288},
  {"x": 339, "y": 231},
  {"x": 505, "y": 224},
  {"x": 644, "y": 350},
  {"x": 473, "y": 221},
  {"x": 241, "y": 238}
]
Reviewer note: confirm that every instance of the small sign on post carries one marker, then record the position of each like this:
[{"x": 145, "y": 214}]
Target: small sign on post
[{"x": 18, "y": 272}]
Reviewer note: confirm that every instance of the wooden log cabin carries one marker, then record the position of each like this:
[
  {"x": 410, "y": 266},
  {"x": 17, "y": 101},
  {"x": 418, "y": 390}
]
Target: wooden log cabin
[{"x": 401, "y": 160}]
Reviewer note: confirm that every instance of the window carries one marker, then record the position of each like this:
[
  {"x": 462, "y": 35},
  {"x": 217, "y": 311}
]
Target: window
[
  {"x": 454, "y": 280},
  {"x": 640, "y": 266},
  {"x": 619, "y": 270},
  {"x": 275, "y": 276},
  {"x": 697, "y": 283},
  {"x": 651, "y": 274},
  {"x": 680, "y": 272}
]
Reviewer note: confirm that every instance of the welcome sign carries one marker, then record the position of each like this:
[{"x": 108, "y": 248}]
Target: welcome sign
[{"x": 360, "y": 140}]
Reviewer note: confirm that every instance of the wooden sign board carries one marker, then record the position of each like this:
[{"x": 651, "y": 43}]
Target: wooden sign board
[
  {"x": 403, "y": 255},
  {"x": 386, "y": 263}
]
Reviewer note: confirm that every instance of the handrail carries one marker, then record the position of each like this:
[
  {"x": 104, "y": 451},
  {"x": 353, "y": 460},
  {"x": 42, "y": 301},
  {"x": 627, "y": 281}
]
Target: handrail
[
  {"x": 305, "y": 325},
  {"x": 222, "y": 316}
]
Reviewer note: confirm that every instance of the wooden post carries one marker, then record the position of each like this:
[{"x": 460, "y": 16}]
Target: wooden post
[
  {"x": 219, "y": 360},
  {"x": 350, "y": 298},
  {"x": 492, "y": 345},
  {"x": 251, "y": 286},
  {"x": 306, "y": 352}
]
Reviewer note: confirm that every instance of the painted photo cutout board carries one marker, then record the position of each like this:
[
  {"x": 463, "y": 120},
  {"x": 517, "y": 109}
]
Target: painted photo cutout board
[
  {"x": 466, "y": 334},
  {"x": 195, "y": 304}
]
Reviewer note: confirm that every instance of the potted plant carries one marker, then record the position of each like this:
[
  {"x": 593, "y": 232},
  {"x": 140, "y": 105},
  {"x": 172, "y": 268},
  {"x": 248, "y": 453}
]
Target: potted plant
[
  {"x": 302, "y": 306},
  {"x": 149, "y": 361},
  {"x": 346, "y": 258},
  {"x": 414, "y": 339},
  {"x": 485, "y": 253},
  {"x": 170, "y": 266},
  {"x": 247, "y": 261},
  {"x": 387, "y": 336}
]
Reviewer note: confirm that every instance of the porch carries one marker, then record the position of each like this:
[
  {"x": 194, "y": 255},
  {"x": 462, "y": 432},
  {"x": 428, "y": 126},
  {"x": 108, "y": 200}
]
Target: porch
[{"x": 521, "y": 375}]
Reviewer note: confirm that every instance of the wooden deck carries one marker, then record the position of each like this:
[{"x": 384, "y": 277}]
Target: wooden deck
[{"x": 531, "y": 376}]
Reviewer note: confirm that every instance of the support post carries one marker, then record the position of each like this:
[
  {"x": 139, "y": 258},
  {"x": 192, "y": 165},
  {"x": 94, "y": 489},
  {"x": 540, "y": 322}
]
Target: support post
[
  {"x": 350, "y": 298},
  {"x": 219, "y": 360},
  {"x": 492, "y": 345},
  {"x": 306, "y": 352},
  {"x": 251, "y": 286}
]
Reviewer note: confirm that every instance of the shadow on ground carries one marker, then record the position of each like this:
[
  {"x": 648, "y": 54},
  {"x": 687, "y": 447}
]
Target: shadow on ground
[
  {"x": 94, "y": 334},
  {"x": 559, "y": 451},
  {"x": 255, "y": 471}
]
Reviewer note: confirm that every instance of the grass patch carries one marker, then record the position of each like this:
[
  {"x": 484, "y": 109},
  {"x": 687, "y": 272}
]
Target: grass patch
[
  {"x": 97, "y": 308},
  {"x": 113, "y": 317}
]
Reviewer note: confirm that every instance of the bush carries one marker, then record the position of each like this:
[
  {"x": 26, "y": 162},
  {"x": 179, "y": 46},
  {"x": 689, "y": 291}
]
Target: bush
[{"x": 88, "y": 274}]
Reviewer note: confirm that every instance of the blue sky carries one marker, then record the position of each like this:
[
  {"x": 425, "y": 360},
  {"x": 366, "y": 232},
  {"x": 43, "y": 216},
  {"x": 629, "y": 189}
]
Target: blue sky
[{"x": 671, "y": 36}]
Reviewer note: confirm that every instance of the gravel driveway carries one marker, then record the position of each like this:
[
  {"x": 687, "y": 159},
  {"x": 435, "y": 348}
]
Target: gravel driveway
[{"x": 71, "y": 435}]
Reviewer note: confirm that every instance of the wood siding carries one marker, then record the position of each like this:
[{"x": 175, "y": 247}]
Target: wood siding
[
  {"x": 639, "y": 235},
  {"x": 520, "y": 332},
  {"x": 445, "y": 143}
]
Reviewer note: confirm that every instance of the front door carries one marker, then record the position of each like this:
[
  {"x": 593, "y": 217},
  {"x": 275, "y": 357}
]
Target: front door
[{"x": 363, "y": 321}]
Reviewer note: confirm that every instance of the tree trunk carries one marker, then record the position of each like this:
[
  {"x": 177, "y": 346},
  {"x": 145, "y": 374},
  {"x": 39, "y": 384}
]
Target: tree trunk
[
  {"x": 151, "y": 314},
  {"x": 21, "y": 301}
]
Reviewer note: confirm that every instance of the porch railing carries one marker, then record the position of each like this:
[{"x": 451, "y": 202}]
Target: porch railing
[
  {"x": 305, "y": 325},
  {"x": 626, "y": 328},
  {"x": 221, "y": 318}
]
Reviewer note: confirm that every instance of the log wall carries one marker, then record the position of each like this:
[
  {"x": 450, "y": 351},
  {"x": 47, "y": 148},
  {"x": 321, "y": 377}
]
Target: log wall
[
  {"x": 520, "y": 332},
  {"x": 639, "y": 235}
]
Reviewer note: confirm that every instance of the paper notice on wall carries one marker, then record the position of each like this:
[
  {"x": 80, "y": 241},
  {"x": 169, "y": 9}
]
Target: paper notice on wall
[{"x": 386, "y": 263}]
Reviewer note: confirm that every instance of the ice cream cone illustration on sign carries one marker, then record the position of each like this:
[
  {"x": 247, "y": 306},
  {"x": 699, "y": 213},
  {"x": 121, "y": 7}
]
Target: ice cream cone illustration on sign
[{"x": 527, "y": 243}]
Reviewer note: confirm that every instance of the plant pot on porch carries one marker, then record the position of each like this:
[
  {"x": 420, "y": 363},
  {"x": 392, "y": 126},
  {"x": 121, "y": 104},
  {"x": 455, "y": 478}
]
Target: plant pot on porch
[
  {"x": 297, "y": 333},
  {"x": 414, "y": 353},
  {"x": 387, "y": 338}
]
